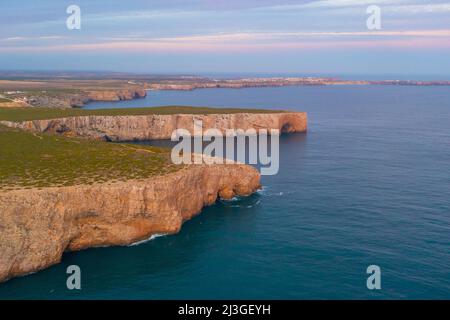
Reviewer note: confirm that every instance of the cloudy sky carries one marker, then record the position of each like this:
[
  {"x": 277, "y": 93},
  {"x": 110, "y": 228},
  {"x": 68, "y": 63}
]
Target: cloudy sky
[{"x": 242, "y": 36}]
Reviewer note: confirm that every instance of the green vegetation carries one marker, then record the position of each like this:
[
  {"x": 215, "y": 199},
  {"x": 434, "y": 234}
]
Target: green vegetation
[
  {"x": 30, "y": 160},
  {"x": 4, "y": 100},
  {"x": 23, "y": 114},
  {"x": 50, "y": 92}
]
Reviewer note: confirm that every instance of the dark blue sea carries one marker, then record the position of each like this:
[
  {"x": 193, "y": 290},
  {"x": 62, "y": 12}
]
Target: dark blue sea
[{"x": 369, "y": 184}]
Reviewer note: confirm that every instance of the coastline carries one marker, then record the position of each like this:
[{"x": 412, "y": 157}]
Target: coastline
[
  {"x": 53, "y": 220},
  {"x": 157, "y": 126},
  {"x": 72, "y": 93}
]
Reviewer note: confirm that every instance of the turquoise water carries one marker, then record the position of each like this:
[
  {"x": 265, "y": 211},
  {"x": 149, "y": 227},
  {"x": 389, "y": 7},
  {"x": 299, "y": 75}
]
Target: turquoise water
[{"x": 368, "y": 184}]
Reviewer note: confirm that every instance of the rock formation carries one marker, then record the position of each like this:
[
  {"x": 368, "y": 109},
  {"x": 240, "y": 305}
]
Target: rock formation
[
  {"x": 116, "y": 95},
  {"x": 81, "y": 99},
  {"x": 62, "y": 99},
  {"x": 151, "y": 127},
  {"x": 38, "y": 225}
]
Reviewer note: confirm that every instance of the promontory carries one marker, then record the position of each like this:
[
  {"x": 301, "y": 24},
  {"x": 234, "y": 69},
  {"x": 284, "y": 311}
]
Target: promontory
[{"x": 61, "y": 190}]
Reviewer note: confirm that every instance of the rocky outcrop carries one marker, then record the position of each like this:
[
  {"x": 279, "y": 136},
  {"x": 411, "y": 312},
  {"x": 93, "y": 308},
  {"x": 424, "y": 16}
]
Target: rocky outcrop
[
  {"x": 151, "y": 127},
  {"x": 79, "y": 100},
  {"x": 116, "y": 95},
  {"x": 64, "y": 99},
  {"x": 38, "y": 225}
]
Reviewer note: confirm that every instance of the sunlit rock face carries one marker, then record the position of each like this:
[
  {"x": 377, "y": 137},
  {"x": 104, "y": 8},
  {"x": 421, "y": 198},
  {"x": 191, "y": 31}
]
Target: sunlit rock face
[
  {"x": 38, "y": 225},
  {"x": 151, "y": 127}
]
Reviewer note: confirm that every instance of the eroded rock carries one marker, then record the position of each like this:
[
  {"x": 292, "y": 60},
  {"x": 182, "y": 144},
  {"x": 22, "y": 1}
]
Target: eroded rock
[{"x": 38, "y": 225}]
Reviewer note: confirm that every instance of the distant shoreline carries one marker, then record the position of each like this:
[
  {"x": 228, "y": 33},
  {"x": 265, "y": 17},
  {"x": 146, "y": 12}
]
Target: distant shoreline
[
  {"x": 278, "y": 82},
  {"x": 66, "y": 92}
]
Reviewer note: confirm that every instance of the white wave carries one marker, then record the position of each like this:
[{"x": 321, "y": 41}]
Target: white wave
[
  {"x": 263, "y": 190},
  {"x": 234, "y": 199},
  {"x": 147, "y": 240},
  {"x": 255, "y": 204}
]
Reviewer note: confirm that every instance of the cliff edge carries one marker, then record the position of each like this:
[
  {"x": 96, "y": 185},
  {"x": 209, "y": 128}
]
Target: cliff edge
[
  {"x": 157, "y": 126},
  {"x": 39, "y": 225}
]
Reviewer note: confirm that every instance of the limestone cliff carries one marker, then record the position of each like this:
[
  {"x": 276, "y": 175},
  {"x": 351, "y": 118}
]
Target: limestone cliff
[
  {"x": 151, "y": 127},
  {"x": 115, "y": 95},
  {"x": 63, "y": 99},
  {"x": 38, "y": 225},
  {"x": 80, "y": 99}
]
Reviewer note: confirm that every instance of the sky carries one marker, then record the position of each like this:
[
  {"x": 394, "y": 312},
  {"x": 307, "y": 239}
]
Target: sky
[{"x": 228, "y": 36}]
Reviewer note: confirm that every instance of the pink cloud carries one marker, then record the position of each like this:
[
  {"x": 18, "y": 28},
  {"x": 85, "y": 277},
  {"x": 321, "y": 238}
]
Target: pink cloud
[{"x": 248, "y": 42}]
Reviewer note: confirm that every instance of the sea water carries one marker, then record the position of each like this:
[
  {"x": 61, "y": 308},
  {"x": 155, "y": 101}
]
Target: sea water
[{"x": 369, "y": 184}]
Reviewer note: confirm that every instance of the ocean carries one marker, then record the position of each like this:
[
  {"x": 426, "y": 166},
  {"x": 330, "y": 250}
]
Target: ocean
[{"x": 369, "y": 184}]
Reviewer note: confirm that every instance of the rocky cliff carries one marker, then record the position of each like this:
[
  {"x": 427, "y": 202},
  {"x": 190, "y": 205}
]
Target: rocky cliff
[
  {"x": 64, "y": 99},
  {"x": 116, "y": 95},
  {"x": 38, "y": 225},
  {"x": 79, "y": 100},
  {"x": 151, "y": 127}
]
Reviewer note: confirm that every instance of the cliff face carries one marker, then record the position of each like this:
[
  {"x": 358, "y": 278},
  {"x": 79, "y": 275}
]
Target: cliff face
[
  {"x": 79, "y": 100},
  {"x": 37, "y": 226},
  {"x": 115, "y": 95},
  {"x": 151, "y": 127}
]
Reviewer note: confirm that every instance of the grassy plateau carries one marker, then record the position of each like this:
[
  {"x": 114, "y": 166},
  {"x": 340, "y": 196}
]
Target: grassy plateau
[
  {"x": 30, "y": 160},
  {"x": 24, "y": 114}
]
